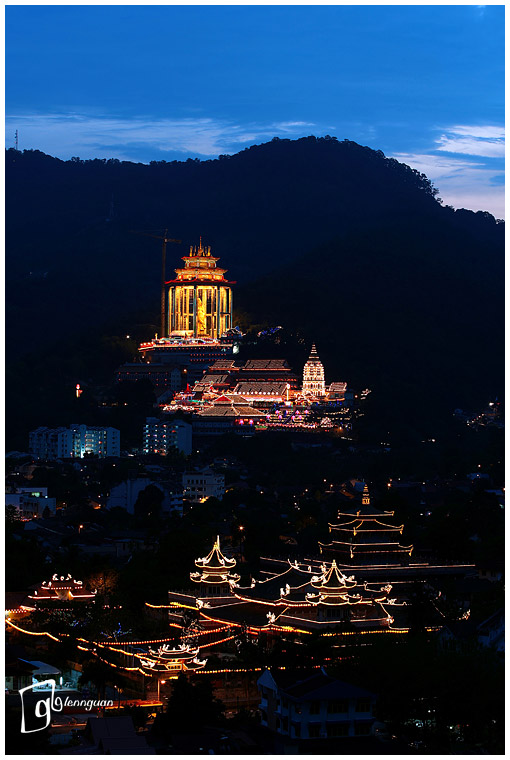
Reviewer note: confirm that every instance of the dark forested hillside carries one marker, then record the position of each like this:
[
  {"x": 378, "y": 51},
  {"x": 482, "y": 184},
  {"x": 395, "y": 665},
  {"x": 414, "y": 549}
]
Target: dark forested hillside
[{"x": 327, "y": 237}]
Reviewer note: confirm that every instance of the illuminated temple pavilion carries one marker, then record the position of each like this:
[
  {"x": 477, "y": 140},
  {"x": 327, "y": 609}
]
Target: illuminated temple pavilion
[
  {"x": 364, "y": 536},
  {"x": 200, "y": 298},
  {"x": 198, "y": 325},
  {"x": 215, "y": 572}
]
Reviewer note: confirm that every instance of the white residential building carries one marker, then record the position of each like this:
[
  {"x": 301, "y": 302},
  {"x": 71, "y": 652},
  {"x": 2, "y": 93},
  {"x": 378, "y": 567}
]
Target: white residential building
[
  {"x": 313, "y": 705},
  {"x": 126, "y": 494},
  {"x": 31, "y": 502},
  {"x": 74, "y": 442},
  {"x": 159, "y": 436},
  {"x": 202, "y": 484}
]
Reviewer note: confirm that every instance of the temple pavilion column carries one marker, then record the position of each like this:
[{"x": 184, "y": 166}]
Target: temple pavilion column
[
  {"x": 194, "y": 311},
  {"x": 218, "y": 333}
]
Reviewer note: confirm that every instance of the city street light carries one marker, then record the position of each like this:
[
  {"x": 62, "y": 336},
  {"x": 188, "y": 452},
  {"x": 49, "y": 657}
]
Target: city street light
[{"x": 159, "y": 684}]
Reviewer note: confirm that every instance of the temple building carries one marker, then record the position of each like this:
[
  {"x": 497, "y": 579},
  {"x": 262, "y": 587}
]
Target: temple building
[
  {"x": 296, "y": 597},
  {"x": 199, "y": 328},
  {"x": 313, "y": 375},
  {"x": 227, "y": 413},
  {"x": 172, "y": 660},
  {"x": 364, "y": 536},
  {"x": 303, "y": 600},
  {"x": 191, "y": 356},
  {"x": 200, "y": 298},
  {"x": 61, "y": 589}
]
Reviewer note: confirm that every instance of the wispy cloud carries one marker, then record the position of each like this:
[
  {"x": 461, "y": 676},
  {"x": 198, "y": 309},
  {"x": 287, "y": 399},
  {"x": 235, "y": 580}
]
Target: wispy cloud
[
  {"x": 462, "y": 183},
  {"x": 65, "y": 135},
  {"x": 488, "y": 141}
]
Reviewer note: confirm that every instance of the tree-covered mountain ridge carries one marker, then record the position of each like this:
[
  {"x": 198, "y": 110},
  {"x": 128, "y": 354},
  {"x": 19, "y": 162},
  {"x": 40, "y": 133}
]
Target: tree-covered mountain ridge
[{"x": 327, "y": 237}]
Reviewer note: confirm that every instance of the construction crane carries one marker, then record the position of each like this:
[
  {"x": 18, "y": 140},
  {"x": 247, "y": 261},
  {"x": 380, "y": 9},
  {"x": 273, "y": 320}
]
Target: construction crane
[{"x": 165, "y": 239}]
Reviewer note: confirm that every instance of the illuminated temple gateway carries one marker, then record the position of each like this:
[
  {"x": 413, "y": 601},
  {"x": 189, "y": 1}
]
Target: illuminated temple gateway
[
  {"x": 365, "y": 537},
  {"x": 200, "y": 298}
]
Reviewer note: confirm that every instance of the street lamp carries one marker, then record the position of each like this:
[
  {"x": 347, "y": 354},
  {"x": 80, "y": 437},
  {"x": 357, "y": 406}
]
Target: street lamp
[{"x": 159, "y": 684}]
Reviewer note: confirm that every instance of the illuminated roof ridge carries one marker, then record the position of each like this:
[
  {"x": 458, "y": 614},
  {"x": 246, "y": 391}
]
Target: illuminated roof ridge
[
  {"x": 332, "y": 578},
  {"x": 215, "y": 559},
  {"x": 200, "y": 267},
  {"x": 199, "y": 251},
  {"x": 364, "y": 514},
  {"x": 181, "y": 651},
  {"x": 314, "y": 356}
]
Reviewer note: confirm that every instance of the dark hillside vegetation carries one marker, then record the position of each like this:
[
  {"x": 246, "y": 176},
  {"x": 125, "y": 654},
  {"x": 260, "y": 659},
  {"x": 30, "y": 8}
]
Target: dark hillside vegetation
[{"x": 330, "y": 239}]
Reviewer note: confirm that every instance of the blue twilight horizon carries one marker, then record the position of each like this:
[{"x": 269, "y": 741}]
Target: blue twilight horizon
[{"x": 424, "y": 84}]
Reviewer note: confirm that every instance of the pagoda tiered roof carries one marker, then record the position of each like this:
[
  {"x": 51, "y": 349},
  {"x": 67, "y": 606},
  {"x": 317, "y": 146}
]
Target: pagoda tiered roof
[
  {"x": 215, "y": 567},
  {"x": 314, "y": 356},
  {"x": 200, "y": 268},
  {"x": 366, "y": 534},
  {"x": 333, "y": 588}
]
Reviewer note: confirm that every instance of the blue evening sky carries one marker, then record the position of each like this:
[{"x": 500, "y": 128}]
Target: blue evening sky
[{"x": 424, "y": 84}]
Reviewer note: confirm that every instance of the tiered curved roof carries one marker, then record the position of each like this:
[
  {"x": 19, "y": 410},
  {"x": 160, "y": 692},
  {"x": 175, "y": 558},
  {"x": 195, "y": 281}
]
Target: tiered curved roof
[
  {"x": 365, "y": 533},
  {"x": 167, "y": 658},
  {"x": 200, "y": 268},
  {"x": 334, "y": 588},
  {"x": 299, "y": 587},
  {"x": 215, "y": 567}
]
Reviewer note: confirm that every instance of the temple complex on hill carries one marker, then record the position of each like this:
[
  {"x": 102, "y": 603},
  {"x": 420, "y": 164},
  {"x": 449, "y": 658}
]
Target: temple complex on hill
[
  {"x": 364, "y": 536},
  {"x": 193, "y": 366}
]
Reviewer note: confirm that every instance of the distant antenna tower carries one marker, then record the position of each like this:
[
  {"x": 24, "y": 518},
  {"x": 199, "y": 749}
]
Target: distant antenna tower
[{"x": 16, "y": 136}]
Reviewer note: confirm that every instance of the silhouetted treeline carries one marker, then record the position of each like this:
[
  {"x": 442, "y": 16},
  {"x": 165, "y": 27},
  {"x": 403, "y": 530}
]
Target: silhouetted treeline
[{"x": 331, "y": 239}]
